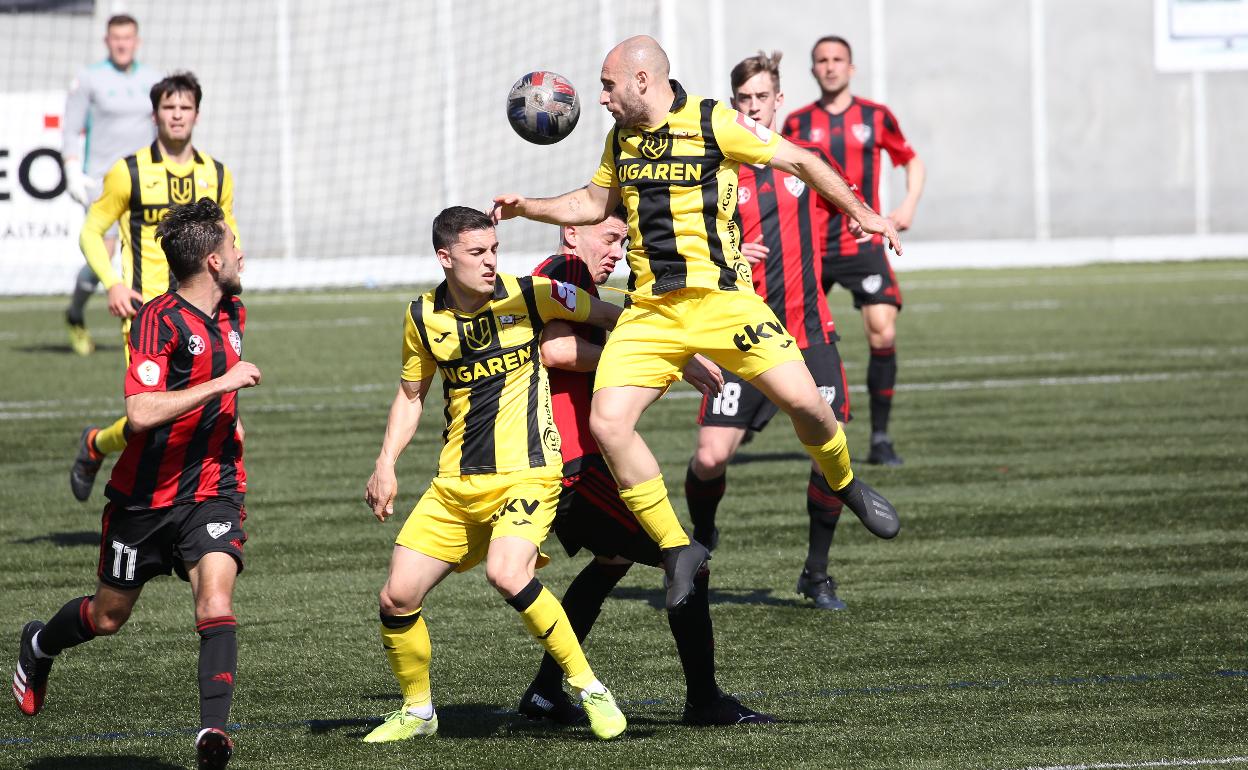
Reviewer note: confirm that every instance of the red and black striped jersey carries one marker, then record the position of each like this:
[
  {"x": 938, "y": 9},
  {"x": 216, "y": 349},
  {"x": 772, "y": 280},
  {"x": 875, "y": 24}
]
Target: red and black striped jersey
[
  {"x": 792, "y": 219},
  {"x": 175, "y": 346},
  {"x": 571, "y": 392},
  {"x": 855, "y": 138}
]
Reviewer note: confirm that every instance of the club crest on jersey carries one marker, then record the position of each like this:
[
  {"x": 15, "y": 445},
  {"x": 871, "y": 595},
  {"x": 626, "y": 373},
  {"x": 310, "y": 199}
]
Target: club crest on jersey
[
  {"x": 510, "y": 320},
  {"x": 743, "y": 196},
  {"x": 181, "y": 189},
  {"x": 195, "y": 344},
  {"x": 218, "y": 528},
  {"x": 861, "y": 132},
  {"x": 236, "y": 342},
  {"x": 149, "y": 373},
  {"x": 817, "y": 135},
  {"x": 795, "y": 186},
  {"x": 754, "y": 127},
  {"x": 477, "y": 334},
  {"x": 872, "y": 283},
  {"x": 564, "y": 294},
  {"x": 654, "y": 146}
]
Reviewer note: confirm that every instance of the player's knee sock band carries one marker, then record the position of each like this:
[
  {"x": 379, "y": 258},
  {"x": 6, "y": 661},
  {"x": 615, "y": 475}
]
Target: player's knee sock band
[
  {"x": 406, "y": 641},
  {"x": 545, "y": 619},
  {"x": 881, "y": 380},
  {"x": 703, "y": 498},
  {"x": 70, "y": 626},
  {"x": 218, "y": 664},
  {"x": 112, "y": 439},
  {"x": 833, "y": 459},
  {"x": 582, "y": 603},
  {"x": 648, "y": 502},
  {"x": 824, "y": 510}
]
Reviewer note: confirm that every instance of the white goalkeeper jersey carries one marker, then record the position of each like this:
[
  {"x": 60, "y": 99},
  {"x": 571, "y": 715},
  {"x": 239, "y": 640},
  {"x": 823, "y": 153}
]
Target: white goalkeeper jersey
[{"x": 114, "y": 109}]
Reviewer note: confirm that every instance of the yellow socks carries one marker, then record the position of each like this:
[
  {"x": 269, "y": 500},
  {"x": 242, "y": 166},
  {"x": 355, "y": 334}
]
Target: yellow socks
[
  {"x": 648, "y": 502},
  {"x": 406, "y": 640},
  {"x": 548, "y": 623},
  {"x": 112, "y": 439},
  {"x": 833, "y": 459}
]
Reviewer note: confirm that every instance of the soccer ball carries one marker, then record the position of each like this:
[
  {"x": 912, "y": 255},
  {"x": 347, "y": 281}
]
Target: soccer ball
[{"x": 542, "y": 107}]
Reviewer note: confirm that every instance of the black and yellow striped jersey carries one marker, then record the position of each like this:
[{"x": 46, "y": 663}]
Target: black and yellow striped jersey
[
  {"x": 498, "y": 411},
  {"x": 138, "y": 189},
  {"x": 678, "y": 182}
]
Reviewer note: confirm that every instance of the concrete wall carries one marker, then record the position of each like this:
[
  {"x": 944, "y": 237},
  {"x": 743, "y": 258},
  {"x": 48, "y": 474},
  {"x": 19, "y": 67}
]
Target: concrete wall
[{"x": 364, "y": 129}]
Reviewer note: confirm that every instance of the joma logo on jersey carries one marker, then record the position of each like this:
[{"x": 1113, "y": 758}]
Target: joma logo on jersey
[
  {"x": 477, "y": 335},
  {"x": 494, "y": 365},
  {"x": 181, "y": 189},
  {"x": 752, "y": 334},
  {"x": 654, "y": 146},
  {"x": 662, "y": 172}
]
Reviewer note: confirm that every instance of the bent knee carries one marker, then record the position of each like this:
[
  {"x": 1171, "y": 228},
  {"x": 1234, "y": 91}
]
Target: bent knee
[
  {"x": 710, "y": 462},
  {"x": 395, "y": 605},
  {"x": 508, "y": 580},
  {"x": 110, "y": 622}
]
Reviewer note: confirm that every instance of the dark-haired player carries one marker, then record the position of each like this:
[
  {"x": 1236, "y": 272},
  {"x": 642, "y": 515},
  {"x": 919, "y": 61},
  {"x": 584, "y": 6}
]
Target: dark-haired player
[
  {"x": 854, "y": 131},
  {"x": 672, "y": 160},
  {"x": 782, "y": 224},
  {"x": 176, "y": 493},
  {"x": 592, "y": 516},
  {"x": 137, "y": 191},
  {"x": 497, "y": 484}
]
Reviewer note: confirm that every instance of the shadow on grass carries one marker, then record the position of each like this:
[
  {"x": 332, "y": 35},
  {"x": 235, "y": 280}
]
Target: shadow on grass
[
  {"x": 753, "y": 596},
  {"x": 101, "y": 763},
  {"x": 743, "y": 458},
  {"x": 480, "y": 720},
  {"x": 63, "y": 539}
]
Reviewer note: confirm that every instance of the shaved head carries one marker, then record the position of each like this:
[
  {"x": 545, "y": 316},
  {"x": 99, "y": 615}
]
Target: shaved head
[
  {"x": 635, "y": 88},
  {"x": 642, "y": 53}
]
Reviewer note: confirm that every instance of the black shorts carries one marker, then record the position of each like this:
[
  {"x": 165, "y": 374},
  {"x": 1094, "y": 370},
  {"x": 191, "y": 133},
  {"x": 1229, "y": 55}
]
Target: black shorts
[
  {"x": 138, "y": 545},
  {"x": 741, "y": 405},
  {"x": 867, "y": 274},
  {"x": 591, "y": 515}
]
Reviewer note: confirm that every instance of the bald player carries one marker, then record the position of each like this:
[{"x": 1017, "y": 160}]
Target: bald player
[{"x": 672, "y": 160}]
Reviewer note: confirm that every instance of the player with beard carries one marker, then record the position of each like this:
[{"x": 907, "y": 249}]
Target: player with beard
[
  {"x": 672, "y": 161},
  {"x": 176, "y": 493}
]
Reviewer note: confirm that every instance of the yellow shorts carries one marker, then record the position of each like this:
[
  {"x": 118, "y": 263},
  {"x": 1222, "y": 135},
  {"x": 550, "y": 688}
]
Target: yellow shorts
[
  {"x": 458, "y": 516},
  {"x": 656, "y": 337},
  {"x": 125, "y": 340}
]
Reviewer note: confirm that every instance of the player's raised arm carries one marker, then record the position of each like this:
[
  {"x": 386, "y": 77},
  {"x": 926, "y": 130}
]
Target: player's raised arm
[
  {"x": 588, "y": 205},
  {"x": 812, "y": 170},
  {"x": 405, "y": 413}
]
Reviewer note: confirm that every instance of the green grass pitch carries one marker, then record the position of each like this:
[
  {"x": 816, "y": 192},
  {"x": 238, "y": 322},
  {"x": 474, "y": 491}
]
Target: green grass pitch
[{"x": 1070, "y": 586}]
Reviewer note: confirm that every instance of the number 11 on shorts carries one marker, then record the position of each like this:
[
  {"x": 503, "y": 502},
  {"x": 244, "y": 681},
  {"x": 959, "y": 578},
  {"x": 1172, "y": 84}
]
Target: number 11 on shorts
[{"x": 129, "y": 555}]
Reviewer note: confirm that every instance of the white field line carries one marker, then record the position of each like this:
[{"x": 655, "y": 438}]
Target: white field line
[
  {"x": 991, "y": 280},
  {"x": 30, "y": 410},
  {"x": 268, "y": 326},
  {"x": 1060, "y": 278},
  {"x": 1145, "y": 763}
]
